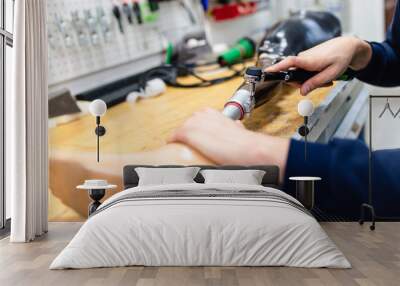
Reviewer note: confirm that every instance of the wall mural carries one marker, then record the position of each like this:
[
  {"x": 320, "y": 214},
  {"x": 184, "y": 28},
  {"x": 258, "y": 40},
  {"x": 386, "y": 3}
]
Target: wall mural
[{"x": 137, "y": 130}]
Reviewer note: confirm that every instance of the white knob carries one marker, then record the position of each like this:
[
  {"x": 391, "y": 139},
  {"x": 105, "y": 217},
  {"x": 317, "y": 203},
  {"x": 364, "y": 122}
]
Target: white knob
[
  {"x": 133, "y": 96},
  {"x": 305, "y": 107},
  {"x": 98, "y": 107},
  {"x": 155, "y": 87}
]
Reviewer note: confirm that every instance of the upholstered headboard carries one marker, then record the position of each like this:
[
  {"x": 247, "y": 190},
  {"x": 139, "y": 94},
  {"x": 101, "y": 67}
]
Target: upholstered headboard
[{"x": 271, "y": 177}]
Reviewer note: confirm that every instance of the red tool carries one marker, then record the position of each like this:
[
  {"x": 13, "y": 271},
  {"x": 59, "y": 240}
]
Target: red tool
[{"x": 234, "y": 10}]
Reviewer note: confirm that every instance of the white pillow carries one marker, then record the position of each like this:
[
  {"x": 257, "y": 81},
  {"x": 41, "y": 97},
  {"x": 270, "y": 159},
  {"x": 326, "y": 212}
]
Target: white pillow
[
  {"x": 247, "y": 177},
  {"x": 165, "y": 176}
]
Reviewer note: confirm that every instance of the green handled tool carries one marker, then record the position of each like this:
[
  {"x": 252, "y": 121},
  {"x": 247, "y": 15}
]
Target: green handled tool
[{"x": 245, "y": 48}]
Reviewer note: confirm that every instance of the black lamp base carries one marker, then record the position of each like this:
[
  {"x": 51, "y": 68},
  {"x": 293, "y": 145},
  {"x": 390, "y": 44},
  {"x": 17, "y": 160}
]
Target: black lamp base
[
  {"x": 96, "y": 195},
  {"x": 305, "y": 193},
  {"x": 362, "y": 217}
]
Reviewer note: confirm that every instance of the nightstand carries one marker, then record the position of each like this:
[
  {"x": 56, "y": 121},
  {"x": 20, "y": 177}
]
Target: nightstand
[
  {"x": 96, "y": 190},
  {"x": 305, "y": 190}
]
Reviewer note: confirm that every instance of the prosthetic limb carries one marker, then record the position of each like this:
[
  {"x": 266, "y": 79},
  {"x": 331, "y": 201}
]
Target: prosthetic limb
[{"x": 286, "y": 38}]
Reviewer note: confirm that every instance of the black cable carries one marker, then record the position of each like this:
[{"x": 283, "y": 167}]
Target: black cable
[
  {"x": 205, "y": 82},
  {"x": 169, "y": 74},
  {"x": 117, "y": 15}
]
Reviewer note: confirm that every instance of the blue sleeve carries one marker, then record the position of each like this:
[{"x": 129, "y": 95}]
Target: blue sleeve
[
  {"x": 384, "y": 67},
  {"x": 343, "y": 166}
]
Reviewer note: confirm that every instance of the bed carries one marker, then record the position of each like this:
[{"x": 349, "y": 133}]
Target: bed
[{"x": 201, "y": 224}]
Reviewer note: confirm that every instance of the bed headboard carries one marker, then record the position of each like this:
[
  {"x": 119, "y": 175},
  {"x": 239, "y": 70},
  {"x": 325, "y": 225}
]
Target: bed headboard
[{"x": 271, "y": 177}]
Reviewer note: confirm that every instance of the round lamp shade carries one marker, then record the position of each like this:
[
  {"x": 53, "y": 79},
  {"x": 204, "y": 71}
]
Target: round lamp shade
[
  {"x": 305, "y": 107},
  {"x": 98, "y": 107}
]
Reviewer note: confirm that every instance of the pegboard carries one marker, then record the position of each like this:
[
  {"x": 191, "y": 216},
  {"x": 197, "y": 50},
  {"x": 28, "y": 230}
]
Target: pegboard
[{"x": 73, "y": 54}]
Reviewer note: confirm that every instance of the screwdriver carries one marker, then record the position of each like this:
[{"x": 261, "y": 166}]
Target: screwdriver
[
  {"x": 117, "y": 15},
  {"x": 128, "y": 12},
  {"x": 137, "y": 12}
]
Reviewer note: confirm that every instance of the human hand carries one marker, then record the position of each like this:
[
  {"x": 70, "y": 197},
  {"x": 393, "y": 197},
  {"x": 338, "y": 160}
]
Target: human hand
[
  {"x": 331, "y": 59},
  {"x": 227, "y": 142}
]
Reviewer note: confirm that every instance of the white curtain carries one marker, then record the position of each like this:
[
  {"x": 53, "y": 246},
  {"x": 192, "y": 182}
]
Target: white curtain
[{"x": 26, "y": 123}]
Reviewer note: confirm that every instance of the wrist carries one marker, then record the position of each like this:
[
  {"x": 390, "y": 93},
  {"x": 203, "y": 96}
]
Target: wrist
[
  {"x": 271, "y": 150},
  {"x": 362, "y": 54}
]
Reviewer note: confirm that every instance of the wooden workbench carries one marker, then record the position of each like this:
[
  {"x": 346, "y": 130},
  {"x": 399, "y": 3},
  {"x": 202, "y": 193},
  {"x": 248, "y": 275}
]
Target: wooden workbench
[{"x": 137, "y": 134}]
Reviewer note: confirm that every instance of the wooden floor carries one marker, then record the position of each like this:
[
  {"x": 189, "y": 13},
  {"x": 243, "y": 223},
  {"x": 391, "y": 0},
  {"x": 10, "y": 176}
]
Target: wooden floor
[{"x": 375, "y": 257}]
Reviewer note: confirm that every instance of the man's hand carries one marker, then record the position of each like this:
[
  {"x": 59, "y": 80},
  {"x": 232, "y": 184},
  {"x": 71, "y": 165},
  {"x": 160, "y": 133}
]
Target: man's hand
[
  {"x": 227, "y": 142},
  {"x": 331, "y": 59}
]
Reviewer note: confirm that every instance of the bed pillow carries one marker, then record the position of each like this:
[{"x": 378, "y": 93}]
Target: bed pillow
[
  {"x": 247, "y": 177},
  {"x": 165, "y": 176}
]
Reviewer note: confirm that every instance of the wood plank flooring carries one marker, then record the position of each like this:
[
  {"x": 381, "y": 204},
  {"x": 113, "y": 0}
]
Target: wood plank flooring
[{"x": 375, "y": 257}]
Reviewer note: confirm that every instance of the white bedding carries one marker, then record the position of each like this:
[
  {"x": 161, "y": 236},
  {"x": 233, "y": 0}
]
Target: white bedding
[{"x": 188, "y": 231}]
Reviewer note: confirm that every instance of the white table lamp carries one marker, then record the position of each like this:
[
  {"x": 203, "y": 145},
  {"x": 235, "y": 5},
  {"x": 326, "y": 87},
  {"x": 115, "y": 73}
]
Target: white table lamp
[{"x": 98, "y": 108}]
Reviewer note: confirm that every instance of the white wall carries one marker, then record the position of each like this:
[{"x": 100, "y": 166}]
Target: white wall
[
  {"x": 9, "y": 27},
  {"x": 9, "y": 65},
  {"x": 364, "y": 18},
  {"x": 285, "y": 7},
  {"x": 93, "y": 80},
  {"x": 367, "y": 19},
  {"x": 368, "y": 22},
  {"x": 9, "y": 15},
  {"x": 228, "y": 32},
  {"x": 386, "y": 130}
]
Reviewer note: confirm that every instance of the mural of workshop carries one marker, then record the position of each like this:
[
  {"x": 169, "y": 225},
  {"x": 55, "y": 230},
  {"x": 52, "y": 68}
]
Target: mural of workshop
[{"x": 94, "y": 48}]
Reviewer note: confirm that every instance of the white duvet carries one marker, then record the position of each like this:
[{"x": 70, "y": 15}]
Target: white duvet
[{"x": 200, "y": 231}]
